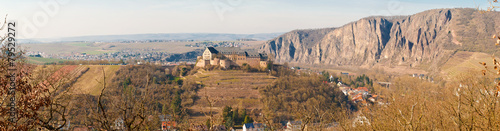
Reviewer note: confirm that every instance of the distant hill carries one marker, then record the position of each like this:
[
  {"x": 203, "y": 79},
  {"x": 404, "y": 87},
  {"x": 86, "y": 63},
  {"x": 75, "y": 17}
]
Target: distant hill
[
  {"x": 174, "y": 36},
  {"x": 425, "y": 40}
]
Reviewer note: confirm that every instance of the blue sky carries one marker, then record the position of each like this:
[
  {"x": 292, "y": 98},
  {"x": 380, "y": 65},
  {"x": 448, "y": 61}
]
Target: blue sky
[{"x": 110, "y": 17}]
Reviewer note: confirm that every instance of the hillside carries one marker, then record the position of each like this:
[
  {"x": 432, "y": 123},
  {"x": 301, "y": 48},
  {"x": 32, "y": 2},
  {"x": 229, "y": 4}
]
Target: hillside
[
  {"x": 422, "y": 41},
  {"x": 232, "y": 88},
  {"x": 84, "y": 79},
  {"x": 90, "y": 81},
  {"x": 464, "y": 61},
  {"x": 224, "y": 88}
]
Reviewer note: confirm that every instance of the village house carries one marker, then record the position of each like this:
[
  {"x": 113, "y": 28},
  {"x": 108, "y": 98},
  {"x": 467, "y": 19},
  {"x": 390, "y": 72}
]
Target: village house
[
  {"x": 373, "y": 98},
  {"x": 345, "y": 89},
  {"x": 205, "y": 128},
  {"x": 253, "y": 127},
  {"x": 362, "y": 90},
  {"x": 360, "y": 120},
  {"x": 293, "y": 126},
  {"x": 166, "y": 122},
  {"x": 231, "y": 56},
  {"x": 118, "y": 125}
]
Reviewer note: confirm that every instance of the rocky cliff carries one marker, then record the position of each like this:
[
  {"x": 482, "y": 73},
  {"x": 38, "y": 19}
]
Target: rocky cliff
[{"x": 423, "y": 38}]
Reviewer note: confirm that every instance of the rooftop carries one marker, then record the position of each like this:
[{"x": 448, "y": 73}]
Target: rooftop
[{"x": 236, "y": 50}]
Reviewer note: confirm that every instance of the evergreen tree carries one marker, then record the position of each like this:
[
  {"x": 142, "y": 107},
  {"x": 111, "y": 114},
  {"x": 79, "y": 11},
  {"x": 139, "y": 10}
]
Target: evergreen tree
[
  {"x": 227, "y": 115},
  {"x": 247, "y": 120},
  {"x": 226, "y": 111},
  {"x": 229, "y": 122},
  {"x": 208, "y": 124},
  {"x": 176, "y": 105},
  {"x": 235, "y": 116},
  {"x": 243, "y": 114},
  {"x": 326, "y": 75},
  {"x": 164, "y": 109}
]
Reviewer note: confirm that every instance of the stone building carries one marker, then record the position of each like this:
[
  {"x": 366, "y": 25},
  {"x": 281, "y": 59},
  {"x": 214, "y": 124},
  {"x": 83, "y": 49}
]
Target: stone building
[{"x": 231, "y": 56}]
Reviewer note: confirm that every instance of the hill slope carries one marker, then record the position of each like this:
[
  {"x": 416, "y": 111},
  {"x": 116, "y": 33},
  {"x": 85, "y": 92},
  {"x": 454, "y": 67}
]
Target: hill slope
[
  {"x": 90, "y": 81},
  {"x": 228, "y": 88},
  {"x": 426, "y": 39}
]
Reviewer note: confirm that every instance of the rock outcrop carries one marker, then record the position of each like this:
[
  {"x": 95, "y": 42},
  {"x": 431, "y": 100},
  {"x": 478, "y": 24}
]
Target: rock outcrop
[{"x": 422, "y": 38}]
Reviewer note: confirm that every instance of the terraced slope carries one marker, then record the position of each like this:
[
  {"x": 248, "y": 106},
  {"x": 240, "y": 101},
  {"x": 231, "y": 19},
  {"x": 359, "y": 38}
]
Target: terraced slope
[
  {"x": 90, "y": 81},
  {"x": 233, "y": 88},
  {"x": 463, "y": 61}
]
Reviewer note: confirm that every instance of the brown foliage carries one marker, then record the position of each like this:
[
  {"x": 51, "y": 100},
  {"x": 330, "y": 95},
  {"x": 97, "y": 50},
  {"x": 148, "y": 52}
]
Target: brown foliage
[
  {"x": 469, "y": 103},
  {"x": 137, "y": 95},
  {"x": 41, "y": 100},
  {"x": 304, "y": 98}
]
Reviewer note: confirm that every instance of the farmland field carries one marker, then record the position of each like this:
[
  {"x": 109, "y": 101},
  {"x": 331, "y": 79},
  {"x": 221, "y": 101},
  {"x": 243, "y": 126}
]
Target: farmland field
[
  {"x": 100, "y": 48},
  {"x": 61, "y": 48},
  {"x": 41, "y": 61}
]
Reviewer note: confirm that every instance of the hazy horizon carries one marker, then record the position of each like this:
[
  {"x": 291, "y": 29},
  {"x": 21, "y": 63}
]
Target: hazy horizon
[{"x": 73, "y": 18}]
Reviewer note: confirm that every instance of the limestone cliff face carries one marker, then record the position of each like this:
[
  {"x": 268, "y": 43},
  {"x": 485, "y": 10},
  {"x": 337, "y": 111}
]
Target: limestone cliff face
[{"x": 409, "y": 40}]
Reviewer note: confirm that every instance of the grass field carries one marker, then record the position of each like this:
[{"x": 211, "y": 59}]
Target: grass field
[
  {"x": 233, "y": 88},
  {"x": 41, "y": 61},
  {"x": 61, "y": 48},
  {"x": 81, "y": 44}
]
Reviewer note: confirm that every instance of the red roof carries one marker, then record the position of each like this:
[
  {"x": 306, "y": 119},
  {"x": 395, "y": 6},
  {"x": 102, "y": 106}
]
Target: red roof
[
  {"x": 362, "y": 89},
  {"x": 357, "y": 97}
]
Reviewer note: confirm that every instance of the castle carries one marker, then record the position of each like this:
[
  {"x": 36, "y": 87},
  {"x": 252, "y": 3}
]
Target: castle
[{"x": 231, "y": 56}]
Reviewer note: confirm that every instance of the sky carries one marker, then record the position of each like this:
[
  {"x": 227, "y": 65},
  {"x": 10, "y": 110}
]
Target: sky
[{"x": 66, "y": 18}]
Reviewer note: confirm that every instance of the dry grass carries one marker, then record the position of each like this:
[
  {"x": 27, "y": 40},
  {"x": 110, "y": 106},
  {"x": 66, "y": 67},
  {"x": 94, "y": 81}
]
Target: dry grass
[
  {"x": 90, "y": 82},
  {"x": 86, "y": 83},
  {"x": 232, "y": 88},
  {"x": 464, "y": 61}
]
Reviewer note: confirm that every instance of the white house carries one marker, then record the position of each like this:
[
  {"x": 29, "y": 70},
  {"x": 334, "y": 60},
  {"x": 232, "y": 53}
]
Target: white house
[
  {"x": 293, "y": 126},
  {"x": 253, "y": 127},
  {"x": 248, "y": 127},
  {"x": 360, "y": 120},
  {"x": 118, "y": 125}
]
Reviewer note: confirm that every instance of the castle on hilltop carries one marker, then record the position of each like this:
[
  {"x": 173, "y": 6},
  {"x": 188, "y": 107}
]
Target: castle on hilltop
[{"x": 231, "y": 56}]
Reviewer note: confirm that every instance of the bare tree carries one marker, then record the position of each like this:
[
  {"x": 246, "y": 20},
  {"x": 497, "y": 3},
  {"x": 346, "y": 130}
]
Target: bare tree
[
  {"x": 41, "y": 101},
  {"x": 115, "y": 105}
]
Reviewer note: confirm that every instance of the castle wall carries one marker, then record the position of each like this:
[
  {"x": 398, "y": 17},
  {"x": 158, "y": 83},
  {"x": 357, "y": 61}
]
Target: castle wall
[
  {"x": 253, "y": 62},
  {"x": 230, "y": 57},
  {"x": 225, "y": 63},
  {"x": 263, "y": 64},
  {"x": 203, "y": 63},
  {"x": 240, "y": 59},
  {"x": 227, "y": 60},
  {"x": 215, "y": 61}
]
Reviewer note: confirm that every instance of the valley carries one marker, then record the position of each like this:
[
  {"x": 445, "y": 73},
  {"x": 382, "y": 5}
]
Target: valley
[{"x": 433, "y": 70}]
